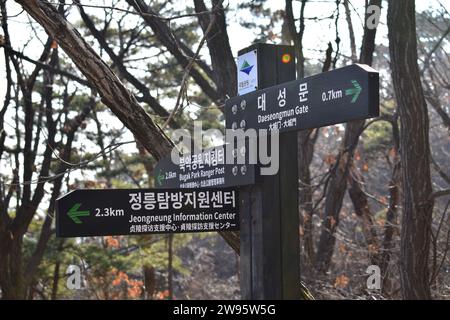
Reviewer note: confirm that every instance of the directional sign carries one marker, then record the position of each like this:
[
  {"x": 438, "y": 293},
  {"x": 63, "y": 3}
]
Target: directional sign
[
  {"x": 102, "y": 212},
  {"x": 337, "y": 96},
  {"x": 205, "y": 169}
]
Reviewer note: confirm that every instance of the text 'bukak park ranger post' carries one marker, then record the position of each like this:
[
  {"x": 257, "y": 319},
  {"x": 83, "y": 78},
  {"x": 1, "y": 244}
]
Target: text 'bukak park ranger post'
[{"x": 204, "y": 193}]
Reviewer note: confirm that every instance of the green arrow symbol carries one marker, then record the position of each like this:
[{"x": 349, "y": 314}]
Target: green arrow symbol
[
  {"x": 74, "y": 214},
  {"x": 159, "y": 178},
  {"x": 355, "y": 91}
]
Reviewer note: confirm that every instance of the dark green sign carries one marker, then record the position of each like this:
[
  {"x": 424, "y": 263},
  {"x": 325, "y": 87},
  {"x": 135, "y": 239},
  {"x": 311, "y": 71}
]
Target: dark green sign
[
  {"x": 103, "y": 212},
  {"x": 341, "y": 95},
  {"x": 206, "y": 169}
]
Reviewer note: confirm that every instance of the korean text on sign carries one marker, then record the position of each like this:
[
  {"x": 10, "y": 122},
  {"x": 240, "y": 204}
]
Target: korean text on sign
[{"x": 164, "y": 200}]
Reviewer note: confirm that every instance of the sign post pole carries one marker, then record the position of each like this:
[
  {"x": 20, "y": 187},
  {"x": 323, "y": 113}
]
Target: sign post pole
[{"x": 270, "y": 251}]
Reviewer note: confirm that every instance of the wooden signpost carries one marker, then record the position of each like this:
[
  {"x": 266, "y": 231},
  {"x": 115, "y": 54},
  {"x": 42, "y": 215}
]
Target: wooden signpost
[
  {"x": 270, "y": 254},
  {"x": 275, "y": 101},
  {"x": 195, "y": 195}
]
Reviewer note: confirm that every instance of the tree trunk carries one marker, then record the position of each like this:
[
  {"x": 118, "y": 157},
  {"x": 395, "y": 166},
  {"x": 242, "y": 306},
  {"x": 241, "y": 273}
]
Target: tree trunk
[
  {"x": 338, "y": 182},
  {"x": 149, "y": 281},
  {"x": 305, "y": 154},
  {"x": 166, "y": 37},
  {"x": 114, "y": 94},
  {"x": 56, "y": 271},
  {"x": 170, "y": 266},
  {"x": 414, "y": 151},
  {"x": 391, "y": 223},
  {"x": 11, "y": 274},
  {"x": 362, "y": 210},
  {"x": 222, "y": 60}
]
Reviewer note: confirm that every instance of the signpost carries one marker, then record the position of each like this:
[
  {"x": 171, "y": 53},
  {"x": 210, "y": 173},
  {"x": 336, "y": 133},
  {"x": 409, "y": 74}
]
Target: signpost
[
  {"x": 346, "y": 94},
  {"x": 269, "y": 265},
  {"x": 266, "y": 208},
  {"x": 83, "y": 213},
  {"x": 269, "y": 209},
  {"x": 206, "y": 169}
]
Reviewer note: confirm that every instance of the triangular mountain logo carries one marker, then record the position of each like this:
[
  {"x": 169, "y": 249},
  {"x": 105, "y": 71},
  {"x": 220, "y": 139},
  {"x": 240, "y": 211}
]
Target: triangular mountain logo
[{"x": 246, "y": 68}]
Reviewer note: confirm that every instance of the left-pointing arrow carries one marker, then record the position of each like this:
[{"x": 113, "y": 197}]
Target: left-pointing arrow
[{"x": 75, "y": 214}]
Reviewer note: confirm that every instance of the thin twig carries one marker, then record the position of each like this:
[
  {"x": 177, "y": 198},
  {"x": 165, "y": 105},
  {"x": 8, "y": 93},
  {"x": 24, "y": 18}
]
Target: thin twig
[
  {"x": 77, "y": 166},
  {"x": 180, "y": 16},
  {"x": 189, "y": 67}
]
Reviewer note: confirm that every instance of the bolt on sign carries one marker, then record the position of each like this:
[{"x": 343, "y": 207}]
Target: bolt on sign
[
  {"x": 206, "y": 169},
  {"x": 345, "y": 94},
  {"x": 107, "y": 212}
]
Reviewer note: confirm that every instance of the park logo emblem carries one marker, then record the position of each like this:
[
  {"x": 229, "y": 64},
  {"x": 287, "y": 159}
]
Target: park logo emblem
[{"x": 246, "y": 67}]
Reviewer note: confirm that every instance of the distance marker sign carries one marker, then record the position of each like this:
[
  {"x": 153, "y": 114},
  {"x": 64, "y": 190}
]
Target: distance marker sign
[
  {"x": 341, "y": 95},
  {"x": 206, "y": 169},
  {"x": 107, "y": 212}
]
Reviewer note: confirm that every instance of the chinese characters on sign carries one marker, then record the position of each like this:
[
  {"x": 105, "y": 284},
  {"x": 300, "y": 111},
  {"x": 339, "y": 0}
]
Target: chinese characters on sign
[
  {"x": 141, "y": 211},
  {"x": 337, "y": 96}
]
